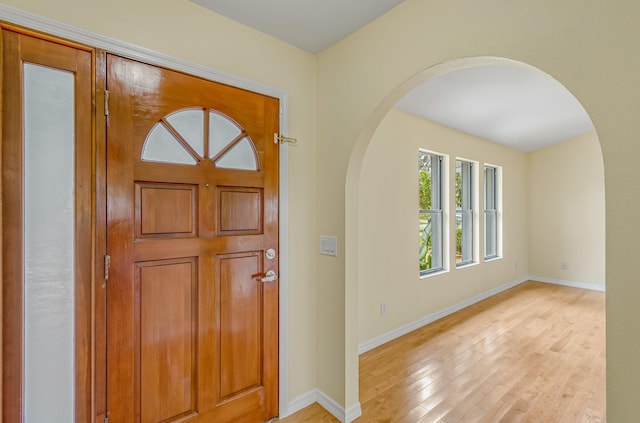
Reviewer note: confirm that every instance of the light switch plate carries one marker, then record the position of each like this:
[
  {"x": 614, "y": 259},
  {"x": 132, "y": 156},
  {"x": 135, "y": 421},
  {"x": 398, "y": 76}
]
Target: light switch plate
[{"x": 329, "y": 245}]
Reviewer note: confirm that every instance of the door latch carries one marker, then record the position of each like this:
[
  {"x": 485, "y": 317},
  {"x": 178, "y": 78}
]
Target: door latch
[{"x": 270, "y": 276}]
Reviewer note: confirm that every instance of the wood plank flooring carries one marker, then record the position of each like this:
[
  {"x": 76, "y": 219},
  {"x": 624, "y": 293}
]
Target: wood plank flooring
[{"x": 534, "y": 353}]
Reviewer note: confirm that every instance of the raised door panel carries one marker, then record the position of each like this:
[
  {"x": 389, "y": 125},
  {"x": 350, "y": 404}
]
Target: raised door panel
[
  {"x": 166, "y": 210},
  {"x": 167, "y": 310},
  {"x": 240, "y": 323},
  {"x": 240, "y": 211}
]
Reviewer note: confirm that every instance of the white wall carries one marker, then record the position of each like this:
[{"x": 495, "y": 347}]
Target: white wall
[
  {"x": 567, "y": 211},
  {"x": 388, "y": 224},
  {"x": 553, "y": 209},
  {"x": 584, "y": 44}
]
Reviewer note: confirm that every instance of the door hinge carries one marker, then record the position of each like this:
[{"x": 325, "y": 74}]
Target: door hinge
[
  {"x": 106, "y": 420},
  {"x": 106, "y": 102},
  {"x": 107, "y": 264}
]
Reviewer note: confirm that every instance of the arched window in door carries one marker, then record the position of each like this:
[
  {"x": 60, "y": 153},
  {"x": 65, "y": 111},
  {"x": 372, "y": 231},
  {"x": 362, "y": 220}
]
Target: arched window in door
[{"x": 190, "y": 136}]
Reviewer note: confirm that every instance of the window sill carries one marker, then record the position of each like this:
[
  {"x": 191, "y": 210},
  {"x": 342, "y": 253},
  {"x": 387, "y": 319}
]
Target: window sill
[
  {"x": 464, "y": 266},
  {"x": 432, "y": 274},
  {"x": 487, "y": 260}
]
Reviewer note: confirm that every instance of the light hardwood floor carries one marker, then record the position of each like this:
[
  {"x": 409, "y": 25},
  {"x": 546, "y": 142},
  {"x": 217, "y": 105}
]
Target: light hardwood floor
[{"x": 534, "y": 353}]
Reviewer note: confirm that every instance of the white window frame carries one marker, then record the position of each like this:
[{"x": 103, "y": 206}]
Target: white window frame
[
  {"x": 437, "y": 211},
  {"x": 492, "y": 232},
  {"x": 465, "y": 211}
]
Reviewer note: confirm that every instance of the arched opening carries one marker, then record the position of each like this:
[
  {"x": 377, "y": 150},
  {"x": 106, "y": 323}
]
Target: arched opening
[{"x": 541, "y": 238}]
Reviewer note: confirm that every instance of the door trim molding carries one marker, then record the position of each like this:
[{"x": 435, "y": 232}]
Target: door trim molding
[{"x": 39, "y": 23}]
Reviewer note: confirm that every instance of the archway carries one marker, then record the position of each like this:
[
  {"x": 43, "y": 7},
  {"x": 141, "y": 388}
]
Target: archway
[{"x": 353, "y": 196}]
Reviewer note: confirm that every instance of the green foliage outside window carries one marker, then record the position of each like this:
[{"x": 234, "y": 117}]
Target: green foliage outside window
[
  {"x": 424, "y": 190},
  {"x": 426, "y": 253},
  {"x": 424, "y": 181}
]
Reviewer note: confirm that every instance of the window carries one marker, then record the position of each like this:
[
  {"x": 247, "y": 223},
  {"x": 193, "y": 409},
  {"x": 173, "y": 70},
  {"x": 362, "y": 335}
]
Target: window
[
  {"x": 430, "y": 212},
  {"x": 490, "y": 212},
  {"x": 193, "y": 135},
  {"x": 464, "y": 212}
]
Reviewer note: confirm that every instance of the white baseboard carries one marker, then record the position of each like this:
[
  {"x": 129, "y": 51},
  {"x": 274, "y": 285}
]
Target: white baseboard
[
  {"x": 582, "y": 285},
  {"x": 344, "y": 415},
  {"x": 300, "y": 402},
  {"x": 353, "y": 412},
  {"x": 403, "y": 330},
  {"x": 331, "y": 406},
  {"x": 340, "y": 413}
]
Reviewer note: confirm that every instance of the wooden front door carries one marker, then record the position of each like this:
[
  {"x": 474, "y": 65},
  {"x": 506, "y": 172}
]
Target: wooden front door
[{"x": 192, "y": 236}]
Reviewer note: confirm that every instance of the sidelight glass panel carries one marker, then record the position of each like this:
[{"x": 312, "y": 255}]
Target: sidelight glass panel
[
  {"x": 48, "y": 245},
  {"x": 222, "y": 131},
  {"x": 161, "y": 146},
  {"x": 190, "y": 125},
  {"x": 241, "y": 156}
]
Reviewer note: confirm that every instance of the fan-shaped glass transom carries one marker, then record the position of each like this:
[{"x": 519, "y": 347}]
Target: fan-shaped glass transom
[{"x": 190, "y": 136}]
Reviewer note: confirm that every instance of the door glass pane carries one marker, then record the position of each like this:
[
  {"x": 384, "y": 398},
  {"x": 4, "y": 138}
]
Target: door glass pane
[
  {"x": 49, "y": 245},
  {"x": 161, "y": 146},
  {"x": 241, "y": 156},
  {"x": 221, "y": 132},
  {"x": 190, "y": 126}
]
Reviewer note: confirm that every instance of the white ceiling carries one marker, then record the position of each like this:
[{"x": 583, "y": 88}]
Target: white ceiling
[
  {"x": 510, "y": 105},
  {"x": 311, "y": 25}
]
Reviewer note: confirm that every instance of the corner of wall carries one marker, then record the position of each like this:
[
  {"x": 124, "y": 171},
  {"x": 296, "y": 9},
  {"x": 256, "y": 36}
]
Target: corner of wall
[{"x": 345, "y": 415}]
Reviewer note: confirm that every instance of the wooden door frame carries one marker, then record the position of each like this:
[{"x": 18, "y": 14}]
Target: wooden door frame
[
  {"x": 84, "y": 224},
  {"x": 53, "y": 29}
]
